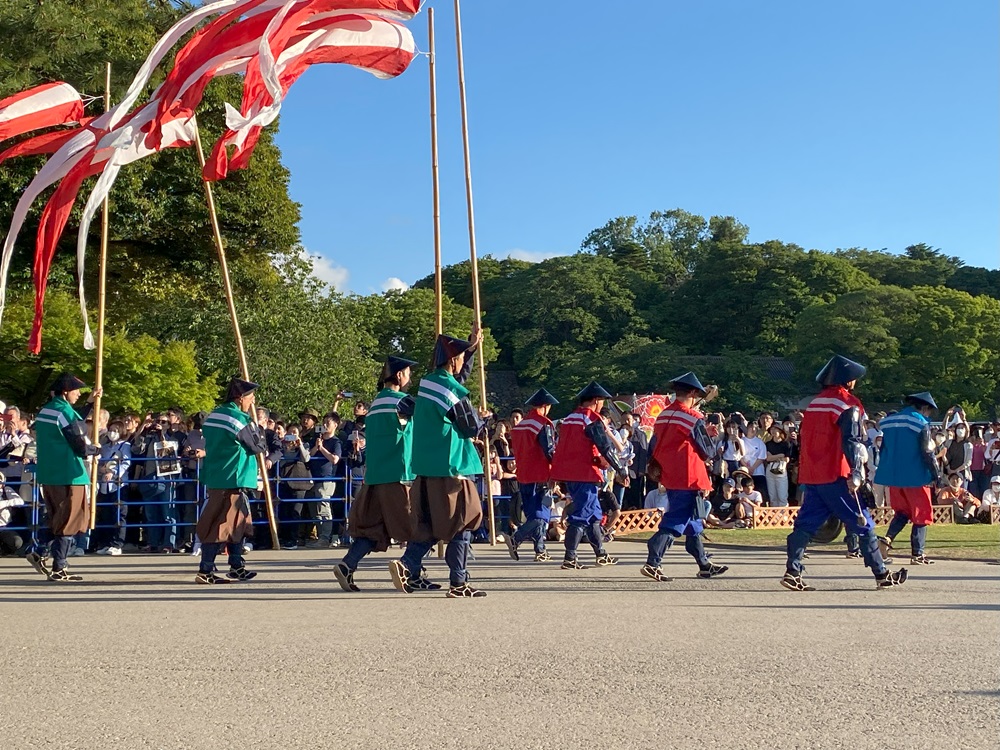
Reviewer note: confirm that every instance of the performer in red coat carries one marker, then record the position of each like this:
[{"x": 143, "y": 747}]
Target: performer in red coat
[
  {"x": 584, "y": 448},
  {"x": 831, "y": 469},
  {"x": 533, "y": 441},
  {"x": 681, "y": 445}
]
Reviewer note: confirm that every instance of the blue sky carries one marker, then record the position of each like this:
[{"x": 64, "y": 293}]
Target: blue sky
[{"x": 847, "y": 124}]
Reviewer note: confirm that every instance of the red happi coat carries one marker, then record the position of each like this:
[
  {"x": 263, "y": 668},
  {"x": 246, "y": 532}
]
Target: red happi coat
[
  {"x": 821, "y": 451},
  {"x": 532, "y": 464},
  {"x": 681, "y": 466}
]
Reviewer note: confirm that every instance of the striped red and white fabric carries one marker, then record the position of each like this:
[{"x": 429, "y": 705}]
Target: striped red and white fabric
[
  {"x": 40, "y": 107},
  {"x": 374, "y": 44},
  {"x": 46, "y": 143}
]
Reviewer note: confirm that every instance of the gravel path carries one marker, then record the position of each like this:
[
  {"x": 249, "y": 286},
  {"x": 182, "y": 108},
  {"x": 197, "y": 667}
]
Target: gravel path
[{"x": 140, "y": 657}]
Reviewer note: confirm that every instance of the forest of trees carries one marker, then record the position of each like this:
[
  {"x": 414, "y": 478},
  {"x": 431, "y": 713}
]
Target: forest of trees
[{"x": 639, "y": 301}]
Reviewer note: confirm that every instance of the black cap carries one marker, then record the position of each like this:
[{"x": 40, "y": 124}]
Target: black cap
[
  {"x": 447, "y": 348},
  {"x": 66, "y": 383},
  {"x": 840, "y": 371},
  {"x": 687, "y": 382},
  {"x": 592, "y": 391},
  {"x": 393, "y": 366},
  {"x": 924, "y": 398},
  {"x": 239, "y": 387},
  {"x": 541, "y": 397}
]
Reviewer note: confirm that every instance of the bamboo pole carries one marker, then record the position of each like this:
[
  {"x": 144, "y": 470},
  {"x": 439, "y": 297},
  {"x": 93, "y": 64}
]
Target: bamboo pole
[
  {"x": 476, "y": 308},
  {"x": 101, "y": 300},
  {"x": 439, "y": 300},
  {"x": 231, "y": 303}
]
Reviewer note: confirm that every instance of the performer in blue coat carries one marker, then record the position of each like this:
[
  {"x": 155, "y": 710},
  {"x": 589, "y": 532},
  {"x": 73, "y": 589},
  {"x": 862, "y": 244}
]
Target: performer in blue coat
[{"x": 907, "y": 468}]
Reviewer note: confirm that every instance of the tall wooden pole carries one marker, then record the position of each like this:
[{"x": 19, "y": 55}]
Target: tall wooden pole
[
  {"x": 476, "y": 308},
  {"x": 231, "y": 303},
  {"x": 439, "y": 300},
  {"x": 101, "y": 299}
]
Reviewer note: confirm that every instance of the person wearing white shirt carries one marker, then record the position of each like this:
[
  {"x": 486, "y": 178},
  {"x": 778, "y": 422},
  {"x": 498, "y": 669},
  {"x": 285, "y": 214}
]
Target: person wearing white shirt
[
  {"x": 991, "y": 498},
  {"x": 756, "y": 459},
  {"x": 656, "y": 498}
]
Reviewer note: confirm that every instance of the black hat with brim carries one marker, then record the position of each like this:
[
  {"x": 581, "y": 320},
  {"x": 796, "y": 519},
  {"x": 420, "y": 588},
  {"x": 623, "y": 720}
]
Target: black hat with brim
[
  {"x": 66, "y": 383},
  {"x": 393, "y": 366},
  {"x": 687, "y": 382},
  {"x": 592, "y": 391},
  {"x": 924, "y": 398},
  {"x": 447, "y": 348},
  {"x": 309, "y": 413},
  {"x": 239, "y": 388},
  {"x": 840, "y": 371},
  {"x": 542, "y": 397}
]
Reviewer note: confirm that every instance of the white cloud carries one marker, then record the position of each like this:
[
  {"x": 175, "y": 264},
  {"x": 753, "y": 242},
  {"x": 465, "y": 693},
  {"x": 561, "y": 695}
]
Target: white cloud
[
  {"x": 393, "y": 283},
  {"x": 532, "y": 256},
  {"x": 327, "y": 271}
]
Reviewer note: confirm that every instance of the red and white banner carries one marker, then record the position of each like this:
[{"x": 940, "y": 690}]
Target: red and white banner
[{"x": 40, "y": 107}]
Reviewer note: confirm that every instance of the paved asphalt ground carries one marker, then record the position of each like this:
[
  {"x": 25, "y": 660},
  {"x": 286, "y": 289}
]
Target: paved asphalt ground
[{"x": 139, "y": 657}]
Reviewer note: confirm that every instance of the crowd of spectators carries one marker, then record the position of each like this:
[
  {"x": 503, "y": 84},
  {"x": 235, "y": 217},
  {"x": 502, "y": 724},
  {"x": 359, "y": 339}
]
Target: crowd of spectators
[{"x": 149, "y": 494}]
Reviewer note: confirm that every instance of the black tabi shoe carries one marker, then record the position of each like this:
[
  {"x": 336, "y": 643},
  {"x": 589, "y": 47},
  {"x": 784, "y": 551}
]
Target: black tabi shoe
[
  {"x": 422, "y": 584},
  {"x": 543, "y": 557},
  {"x": 606, "y": 559},
  {"x": 345, "y": 577},
  {"x": 794, "y": 582},
  {"x": 655, "y": 573},
  {"x": 210, "y": 579},
  {"x": 400, "y": 576},
  {"x": 572, "y": 565},
  {"x": 891, "y": 578},
  {"x": 712, "y": 571},
  {"x": 465, "y": 591},
  {"x": 64, "y": 576},
  {"x": 921, "y": 560},
  {"x": 240, "y": 574},
  {"x": 39, "y": 563},
  {"x": 512, "y": 547}
]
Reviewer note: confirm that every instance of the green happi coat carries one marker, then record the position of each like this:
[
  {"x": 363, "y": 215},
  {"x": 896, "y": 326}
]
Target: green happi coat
[
  {"x": 388, "y": 440},
  {"x": 438, "y": 449},
  {"x": 228, "y": 465},
  {"x": 57, "y": 463}
]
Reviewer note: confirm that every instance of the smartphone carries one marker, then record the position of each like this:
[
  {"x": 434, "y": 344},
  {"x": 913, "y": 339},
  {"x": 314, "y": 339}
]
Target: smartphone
[{"x": 347, "y": 394}]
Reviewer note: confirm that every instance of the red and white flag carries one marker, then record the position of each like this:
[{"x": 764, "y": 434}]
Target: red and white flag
[{"x": 40, "y": 107}]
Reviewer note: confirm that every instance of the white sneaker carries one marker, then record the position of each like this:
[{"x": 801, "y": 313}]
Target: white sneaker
[
  {"x": 113, "y": 551},
  {"x": 77, "y": 552},
  {"x": 247, "y": 548},
  {"x": 196, "y": 550},
  {"x": 104, "y": 551}
]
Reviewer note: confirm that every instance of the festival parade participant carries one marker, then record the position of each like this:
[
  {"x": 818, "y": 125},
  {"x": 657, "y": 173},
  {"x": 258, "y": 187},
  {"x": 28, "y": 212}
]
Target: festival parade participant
[
  {"x": 61, "y": 470},
  {"x": 681, "y": 446},
  {"x": 831, "y": 471},
  {"x": 533, "y": 440},
  {"x": 907, "y": 468},
  {"x": 584, "y": 448},
  {"x": 229, "y": 472},
  {"x": 444, "y": 497},
  {"x": 381, "y": 512}
]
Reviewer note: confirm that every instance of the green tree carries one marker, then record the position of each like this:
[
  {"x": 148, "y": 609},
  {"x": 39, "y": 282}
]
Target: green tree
[
  {"x": 140, "y": 372},
  {"x": 402, "y": 323}
]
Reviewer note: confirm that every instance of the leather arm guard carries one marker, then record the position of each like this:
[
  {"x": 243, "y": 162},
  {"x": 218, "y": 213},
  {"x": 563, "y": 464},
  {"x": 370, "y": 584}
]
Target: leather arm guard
[
  {"x": 76, "y": 435},
  {"x": 547, "y": 442},
  {"x": 406, "y": 406},
  {"x": 252, "y": 438},
  {"x": 599, "y": 437},
  {"x": 465, "y": 419},
  {"x": 852, "y": 443}
]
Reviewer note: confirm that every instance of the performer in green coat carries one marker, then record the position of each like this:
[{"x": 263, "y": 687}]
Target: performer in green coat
[
  {"x": 63, "y": 447},
  {"x": 229, "y": 472},
  {"x": 445, "y": 500},
  {"x": 381, "y": 511}
]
